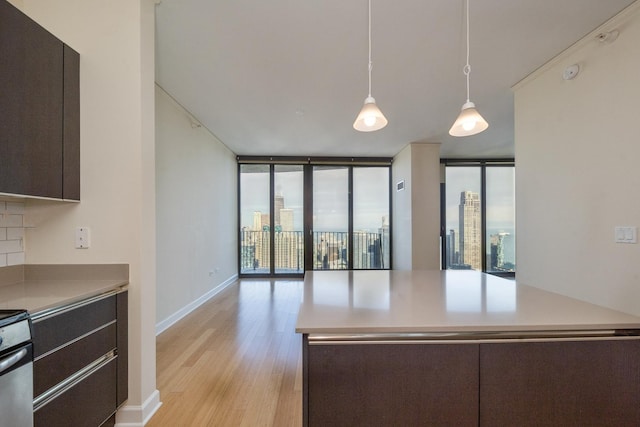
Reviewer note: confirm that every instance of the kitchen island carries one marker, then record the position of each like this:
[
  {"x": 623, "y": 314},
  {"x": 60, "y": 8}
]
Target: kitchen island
[{"x": 462, "y": 348}]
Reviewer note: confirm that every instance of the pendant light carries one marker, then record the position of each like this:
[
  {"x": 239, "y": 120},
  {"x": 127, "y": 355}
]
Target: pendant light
[
  {"x": 469, "y": 122},
  {"x": 370, "y": 117}
]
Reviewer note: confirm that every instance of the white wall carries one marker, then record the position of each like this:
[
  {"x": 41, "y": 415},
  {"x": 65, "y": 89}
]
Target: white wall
[
  {"x": 115, "y": 40},
  {"x": 416, "y": 209},
  {"x": 577, "y": 176},
  {"x": 196, "y": 184},
  {"x": 402, "y": 230}
]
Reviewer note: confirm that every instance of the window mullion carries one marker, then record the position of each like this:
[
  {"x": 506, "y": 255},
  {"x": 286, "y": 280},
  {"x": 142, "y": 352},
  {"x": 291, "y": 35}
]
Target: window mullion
[
  {"x": 350, "y": 227},
  {"x": 483, "y": 215}
]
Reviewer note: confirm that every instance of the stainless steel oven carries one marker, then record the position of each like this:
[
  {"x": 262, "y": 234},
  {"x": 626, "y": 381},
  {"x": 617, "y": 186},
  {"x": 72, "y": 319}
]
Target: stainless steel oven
[{"x": 16, "y": 369}]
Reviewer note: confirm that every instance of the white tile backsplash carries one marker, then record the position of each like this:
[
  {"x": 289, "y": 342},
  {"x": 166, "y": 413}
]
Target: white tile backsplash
[
  {"x": 10, "y": 246},
  {"x": 10, "y": 220},
  {"x": 11, "y": 233},
  {"x": 15, "y": 207},
  {"x": 15, "y": 259}
]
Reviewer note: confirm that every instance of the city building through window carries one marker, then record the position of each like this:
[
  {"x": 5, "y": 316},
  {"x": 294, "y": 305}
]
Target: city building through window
[
  {"x": 297, "y": 217},
  {"x": 478, "y": 223}
]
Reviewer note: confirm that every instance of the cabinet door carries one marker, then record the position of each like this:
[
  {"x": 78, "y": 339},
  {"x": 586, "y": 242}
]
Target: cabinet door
[
  {"x": 391, "y": 384},
  {"x": 59, "y": 330},
  {"x": 88, "y": 403},
  {"x": 31, "y": 109},
  {"x": 71, "y": 126},
  {"x": 55, "y": 367},
  {"x": 584, "y": 383},
  {"x": 123, "y": 347}
]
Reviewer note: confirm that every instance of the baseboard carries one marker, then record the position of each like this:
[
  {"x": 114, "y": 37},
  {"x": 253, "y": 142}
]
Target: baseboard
[
  {"x": 138, "y": 416},
  {"x": 168, "y": 322}
]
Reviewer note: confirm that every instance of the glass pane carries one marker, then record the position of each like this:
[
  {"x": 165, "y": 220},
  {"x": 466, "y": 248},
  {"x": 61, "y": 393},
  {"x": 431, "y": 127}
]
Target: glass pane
[
  {"x": 501, "y": 219},
  {"x": 330, "y": 217},
  {"x": 289, "y": 231},
  {"x": 463, "y": 218},
  {"x": 255, "y": 221},
  {"x": 371, "y": 218}
]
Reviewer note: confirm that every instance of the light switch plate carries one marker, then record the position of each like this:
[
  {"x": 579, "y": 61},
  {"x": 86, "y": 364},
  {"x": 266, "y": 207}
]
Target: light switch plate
[
  {"x": 82, "y": 238},
  {"x": 626, "y": 234}
]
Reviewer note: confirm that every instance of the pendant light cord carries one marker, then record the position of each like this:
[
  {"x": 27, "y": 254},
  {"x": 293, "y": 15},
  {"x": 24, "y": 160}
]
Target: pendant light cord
[
  {"x": 370, "y": 63},
  {"x": 467, "y": 68}
]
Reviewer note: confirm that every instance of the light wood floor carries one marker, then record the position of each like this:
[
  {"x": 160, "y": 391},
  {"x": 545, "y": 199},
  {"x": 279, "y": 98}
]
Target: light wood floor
[{"x": 235, "y": 361}]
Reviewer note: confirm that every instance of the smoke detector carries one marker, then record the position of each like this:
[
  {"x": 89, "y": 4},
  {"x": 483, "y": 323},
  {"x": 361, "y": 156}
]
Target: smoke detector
[
  {"x": 571, "y": 72},
  {"x": 608, "y": 37}
]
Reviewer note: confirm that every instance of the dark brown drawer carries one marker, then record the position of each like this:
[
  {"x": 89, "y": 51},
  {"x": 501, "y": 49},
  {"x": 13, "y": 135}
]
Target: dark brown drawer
[
  {"x": 57, "y": 366},
  {"x": 89, "y": 403},
  {"x": 53, "y": 332}
]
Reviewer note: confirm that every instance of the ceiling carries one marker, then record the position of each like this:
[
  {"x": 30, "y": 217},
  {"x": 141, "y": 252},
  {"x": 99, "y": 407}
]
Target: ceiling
[{"x": 288, "y": 77}]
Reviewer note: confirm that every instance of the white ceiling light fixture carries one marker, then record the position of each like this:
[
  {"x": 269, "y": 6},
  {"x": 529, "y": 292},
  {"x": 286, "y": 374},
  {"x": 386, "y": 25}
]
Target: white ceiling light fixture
[
  {"x": 469, "y": 122},
  {"x": 370, "y": 117}
]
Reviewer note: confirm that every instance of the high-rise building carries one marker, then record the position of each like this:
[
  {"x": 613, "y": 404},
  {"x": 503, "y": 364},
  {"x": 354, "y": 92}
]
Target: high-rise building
[
  {"x": 470, "y": 230},
  {"x": 385, "y": 243},
  {"x": 261, "y": 251},
  {"x": 257, "y": 220},
  {"x": 453, "y": 256},
  {"x": 278, "y": 205},
  {"x": 286, "y": 219},
  {"x": 289, "y": 244},
  {"x": 289, "y": 251},
  {"x": 497, "y": 251},
  {"x": 265, "y": 221}
]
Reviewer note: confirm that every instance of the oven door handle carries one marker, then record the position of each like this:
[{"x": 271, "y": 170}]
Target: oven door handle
[{"x": 12, "y": 360}]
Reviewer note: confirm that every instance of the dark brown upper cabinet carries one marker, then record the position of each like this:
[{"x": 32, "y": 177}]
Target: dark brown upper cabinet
[{"x": 39, "y": 110}]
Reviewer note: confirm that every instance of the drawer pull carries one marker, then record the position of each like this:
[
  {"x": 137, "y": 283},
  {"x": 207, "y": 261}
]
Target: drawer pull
[{"x": 12, "y": 360}]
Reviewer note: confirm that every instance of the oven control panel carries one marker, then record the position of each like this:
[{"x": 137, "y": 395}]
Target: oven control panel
[{"x": 14, "y": 330}]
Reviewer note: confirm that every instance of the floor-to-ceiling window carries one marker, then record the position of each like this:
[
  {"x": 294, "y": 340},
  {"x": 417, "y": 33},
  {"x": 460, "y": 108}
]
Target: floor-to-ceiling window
[
  {"x": 288, "y": 204},
  {"x": 303, "y": 214},
  {"x": 255, "y": 219},
  {"x": 331, "y": 218},
  {"x": 478, "y": 224},
  {"x": 371, "y": 238}
]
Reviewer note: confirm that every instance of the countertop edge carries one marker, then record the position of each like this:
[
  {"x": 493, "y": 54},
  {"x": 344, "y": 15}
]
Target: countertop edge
[
  {"x": 478, "y": 329},
  {"x": 43, "y": 287},
  {"x": 91, "y": 292}
]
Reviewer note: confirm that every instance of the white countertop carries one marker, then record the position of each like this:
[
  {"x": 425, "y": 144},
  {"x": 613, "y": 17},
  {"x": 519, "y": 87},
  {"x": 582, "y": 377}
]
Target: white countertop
[
  {"x": 39, "y": 295},
  {"x": 394, "y": 301}
]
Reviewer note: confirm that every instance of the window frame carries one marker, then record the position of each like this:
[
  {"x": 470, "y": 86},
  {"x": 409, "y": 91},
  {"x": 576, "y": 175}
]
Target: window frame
[
  {"x": 308, "y": 163},
  {"x": 482, "y": 164}
]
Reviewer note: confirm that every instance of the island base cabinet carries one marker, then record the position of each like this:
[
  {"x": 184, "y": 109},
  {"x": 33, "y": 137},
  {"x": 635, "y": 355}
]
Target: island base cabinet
[
  {"x": 581, "y": 383},
  {"x": 390, "y": 385}
]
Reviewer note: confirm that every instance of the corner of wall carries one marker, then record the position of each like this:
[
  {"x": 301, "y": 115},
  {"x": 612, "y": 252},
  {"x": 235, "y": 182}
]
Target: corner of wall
[{"x": 416, "y": 209}]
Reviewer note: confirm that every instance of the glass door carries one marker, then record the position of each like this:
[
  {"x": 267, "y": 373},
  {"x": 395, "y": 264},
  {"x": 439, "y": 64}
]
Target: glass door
[
  {"x": 288, "y": 204},
  {"x": 463, "y": 218},
  {"x": 330, "y": 218},
  {"x": 255, "y": 219},
  {"x": 501, "y": 220},
  {"x": 479, "y": 218},
  {"x": 296, "y": 217},
  {"x": 371, "y": 239}
]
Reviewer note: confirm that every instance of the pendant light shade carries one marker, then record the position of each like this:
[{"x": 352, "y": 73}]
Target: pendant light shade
[
  {"x": 370, "y": 117},
  {"x": 469, "y": 122}
]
